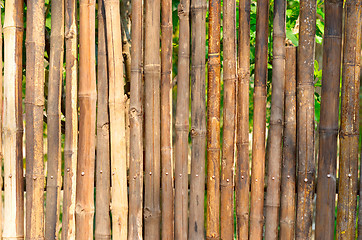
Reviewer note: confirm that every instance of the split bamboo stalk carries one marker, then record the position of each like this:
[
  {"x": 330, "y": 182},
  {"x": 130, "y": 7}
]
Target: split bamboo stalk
[
  {"x": 103, "y": 167},
  {"x": 1, "y": 128},
  {"x": 213, "y": 123},
  {"x": 182, "y": 123},
  {"x": 272, "y": 202},
  {"x": 242, "y": 182},
  {"x": 288, "y": 197},
  {"x": 349, "y": 130},
  {"x": 34, "y": 105},
  {"x": 259, "y": 121},
  {"x": 152, "y": 75},
  {"x": 166, "y": 120},
  {"x": 229, "y": 114},
  {"x": 87, "y": 116},
  {"x": 54, "y": 164},
  {"x": 198, "y": 119},
  {"x": 305, "y": 119},
  {"x": 328, "y": 128},
  {"x": 13, "y": 122},
  {"x": 117, "y": 120}
]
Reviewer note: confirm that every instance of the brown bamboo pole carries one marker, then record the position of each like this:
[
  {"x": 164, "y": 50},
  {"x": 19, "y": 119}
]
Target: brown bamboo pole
[
  {"x": 103, "y": 163},
  {"x": 87, "y": 116},
  {"x": 198, "y": 119},
  {"x": 229, "y": 114},
  {"x": 259, "y": 121},
  {"x": 54, "y": 163},
  {"x": 272, "y": 202},
  {"x": 13, "y": 121},
  {"x": 1, "y": 128},
  {"x": 242, "y": 182},
  {"x": 305, "y": 119},
  {"x": 166, "y": 120},
  {"x": 288, "y": 196},
  {"x": 349, "y": 128},
  {"x": 213, "y": 123},
  {"x": 328, "y": 128},
  {"x": 152, "y": 75}
]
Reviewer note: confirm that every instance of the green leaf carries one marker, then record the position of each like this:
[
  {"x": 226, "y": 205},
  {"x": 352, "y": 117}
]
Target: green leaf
[{"x": 292, "y": 37}]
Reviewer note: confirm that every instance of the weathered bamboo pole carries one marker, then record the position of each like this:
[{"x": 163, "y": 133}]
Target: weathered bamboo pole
[
  {"x": 13, "y": 122},
  {"x": 87, "y": 115},
  {"x": 328, "y": 128},
  {"x": 213, "y": 123},
  {"x": 305, "y": 119},
  {"x": 54, "y": 163},
  {"x": 1, "y": 128},
  {"x": 152, "y": 75},
  {"x": 198, "y": 119},
  {"x": 259, "y": 121},
  {"x": 349, "y": 130},
  {"x": 272, "y": 202},
  {"x": 103, "y": 163}
]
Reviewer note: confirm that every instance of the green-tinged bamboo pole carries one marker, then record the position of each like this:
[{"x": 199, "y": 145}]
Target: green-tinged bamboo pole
[
  {"x": 272, "y": 202},
  {"x": 103, "y": 163},
  {"x": 349, "y": 128},
  {"x": 34, "y": 107},
  {"x": 152, "y": 76},
  {"x": 213, "y": 123},
  {"x": 288, "y": 196},
  {"x": 117, "y": 120},
  {"x": 87, "y": 115},
  {"x": 259, "y": 121},
  {"x": 166, "y": 121},
  {"x": 13, "y": 122},
  {"x": 1, "y": 128},
  {"x": 328, "y": 128},
  {"x": 198, "y": 119},
  {"x": 54, "y": 163},
  {"x": 242, "y": 182},
  {"x": 305, "y": 119}
]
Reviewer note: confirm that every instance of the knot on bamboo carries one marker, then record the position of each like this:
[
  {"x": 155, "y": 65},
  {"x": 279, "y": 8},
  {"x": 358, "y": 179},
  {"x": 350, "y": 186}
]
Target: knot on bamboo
[
  {"x": 134, "y": 112},
  {"x": 197, "y": 132},
  {"x": 71, "y": 32},
  {"x": 183, "y": 12},
  {"x": 243, "y": 73}
]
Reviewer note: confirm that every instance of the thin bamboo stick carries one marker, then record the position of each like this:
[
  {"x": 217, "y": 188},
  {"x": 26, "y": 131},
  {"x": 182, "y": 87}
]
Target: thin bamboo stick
[
  {"x": 305, "y": 119},
  {"x": 328, "y": 128},
  {"x": 1, "y": 128},
  {"x": 272, "y": 202},
  {"x": 103, "y": 163},
  {"x": 13, "y": 121},
  {"x": 349, "y": 128},
  {"x": 288, "y": 197},
  {"x": 259, "y": 121},
  {"x": 87, "y": 116}
]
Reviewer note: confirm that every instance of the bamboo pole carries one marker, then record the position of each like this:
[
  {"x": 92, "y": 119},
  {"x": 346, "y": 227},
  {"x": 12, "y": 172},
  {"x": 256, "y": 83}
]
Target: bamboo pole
[
  {"x": 288, "y": 196},
  {"x": 259, "y": 121},
  {"x": 87, "y": 116},
  {"x": 1, "y": 128},
  {"x": 272, "y": 202},
  {"x": 152, "y": 75},
  {"x": 54, "y": 163},
  {"x": 166, "y": 120},
  {"x": 349, "y": 130},
  {"x": 213, "y": 123},
  {"x": 13, "y": 122},
  {"x": 198, "y": 120},
  {"x": 328, "y": 128},
  {"x": 242, "y": 182},
  {"x": 103, "y": 164}
]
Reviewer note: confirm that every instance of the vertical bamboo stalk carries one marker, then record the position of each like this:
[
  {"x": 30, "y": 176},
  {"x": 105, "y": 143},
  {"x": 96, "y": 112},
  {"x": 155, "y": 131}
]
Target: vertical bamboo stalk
[
  {"x": 198, "y": 120},
  {"x": 259, "y": 121},
  {"x": 272, "y": 202},
  {"x": 287, "y": 197},
  {"x": 349, "y": 130},
  {"x": 242, "y": 183},
  {"x": 103, "y": 167},
  {"x": 1, "y": 128},
  {"x": 87, "y": 116},
  {"x": 13, "y": 121},
  {"x": 213, "y": 123},
  {"x": 54, "y": 163},
  {"x": 328, "y": 128},
  {"x": 152, "y": 74}
]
